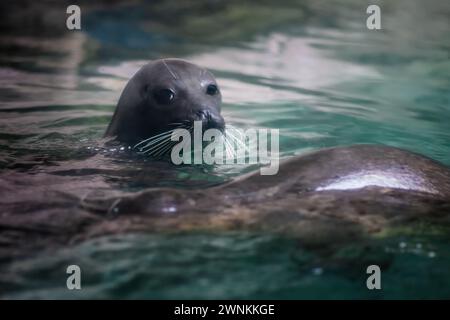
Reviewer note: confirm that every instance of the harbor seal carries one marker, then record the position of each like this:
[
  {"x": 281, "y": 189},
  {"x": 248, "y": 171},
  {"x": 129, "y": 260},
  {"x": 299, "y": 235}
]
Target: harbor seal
[{"x": 164, "y": 95}]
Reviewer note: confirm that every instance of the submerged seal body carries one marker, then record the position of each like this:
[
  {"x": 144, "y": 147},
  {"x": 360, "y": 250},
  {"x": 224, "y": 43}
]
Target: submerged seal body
[
  {"x": 163, "y": 95},
  {"x": 330, "y": 195},
  {"x": 351, "y": 168}
]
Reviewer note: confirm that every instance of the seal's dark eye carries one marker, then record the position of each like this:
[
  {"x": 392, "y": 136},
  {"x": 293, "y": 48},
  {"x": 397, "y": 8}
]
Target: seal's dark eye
[
  {"x": 164, "y": 96},
  {"x": 212, "y": 89}
]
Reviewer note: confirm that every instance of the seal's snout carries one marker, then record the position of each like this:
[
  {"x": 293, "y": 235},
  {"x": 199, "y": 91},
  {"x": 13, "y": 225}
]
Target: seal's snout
[{"x": 211, "y": 120}]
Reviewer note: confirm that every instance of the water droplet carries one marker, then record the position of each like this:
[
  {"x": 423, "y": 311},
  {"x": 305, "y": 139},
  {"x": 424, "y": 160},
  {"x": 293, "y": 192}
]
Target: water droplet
[
  {"x": 431, "y": 254},
  {"x": 402, "y": 245}
]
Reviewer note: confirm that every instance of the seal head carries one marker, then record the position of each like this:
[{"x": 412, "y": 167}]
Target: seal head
[{"x": 163, "y": 95}]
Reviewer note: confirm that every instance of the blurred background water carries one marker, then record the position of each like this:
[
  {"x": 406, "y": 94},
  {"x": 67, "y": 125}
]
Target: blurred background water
[{"x": 309, "y": 68}]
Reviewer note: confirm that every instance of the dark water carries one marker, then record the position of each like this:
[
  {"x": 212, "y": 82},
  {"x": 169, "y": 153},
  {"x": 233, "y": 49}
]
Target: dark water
[{"x": 310, "y": 69}]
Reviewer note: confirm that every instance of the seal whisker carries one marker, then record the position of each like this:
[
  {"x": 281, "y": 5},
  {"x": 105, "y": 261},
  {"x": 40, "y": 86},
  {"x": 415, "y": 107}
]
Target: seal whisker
[
  {"x": 232, "y": 130},
  {"x": 235, "y": 132},
  {"x": 156, "y": 145},
  {"x": 151, "y": 138},
  {"x": 170, "y": 71},
  {"x": 164, "y": 150},
  {"x": 229, "y": 149},
  {"x": 230, "y": 146},
  {"x": 242, "y": 139},
  {"x": 157, "y": 148},
  {"x": 153, "y": 145},
  {"x": 161, "y": 143},
  {"x": 234, "y": 138},
  {"x": 154, "y": 140}
]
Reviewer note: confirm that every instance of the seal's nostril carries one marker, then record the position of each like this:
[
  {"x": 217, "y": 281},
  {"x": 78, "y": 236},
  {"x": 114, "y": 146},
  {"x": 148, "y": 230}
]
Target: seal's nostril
[
  {"x": 204, "y": 115},
  {"x": 200, "y": 114},
  {"x": 210, "y": 120}
]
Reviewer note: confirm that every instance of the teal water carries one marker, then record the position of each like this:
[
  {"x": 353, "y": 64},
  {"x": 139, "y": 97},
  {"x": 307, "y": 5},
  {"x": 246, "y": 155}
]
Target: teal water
[
  {"x": 310, "y": 69},
  {"x": 238, "y": 266}
]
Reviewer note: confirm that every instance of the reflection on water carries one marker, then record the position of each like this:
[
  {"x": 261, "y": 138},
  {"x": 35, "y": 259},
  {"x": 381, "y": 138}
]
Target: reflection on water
[{"x": 310, "y": 69}]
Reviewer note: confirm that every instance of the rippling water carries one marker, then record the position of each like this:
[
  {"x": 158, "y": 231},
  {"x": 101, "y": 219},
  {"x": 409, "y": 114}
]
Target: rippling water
[{"x": 323, "y": 79}]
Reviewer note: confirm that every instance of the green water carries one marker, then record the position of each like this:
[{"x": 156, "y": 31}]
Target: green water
[
  {"x": 308, "y": 68},
  {"x": 236, "y": 265}
]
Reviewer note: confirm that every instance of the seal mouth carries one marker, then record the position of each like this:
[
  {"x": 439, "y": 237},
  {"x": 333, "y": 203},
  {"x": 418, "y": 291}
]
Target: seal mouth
[{"x": 160, "y": 144}]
